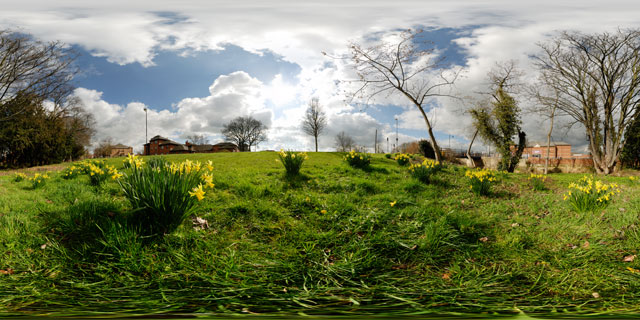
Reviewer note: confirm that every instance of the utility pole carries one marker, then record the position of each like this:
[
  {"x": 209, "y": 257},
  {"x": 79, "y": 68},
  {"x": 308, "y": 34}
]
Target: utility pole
[
  {"x": 375, "y": 145},
  {"x": 146, "y": 126},
  {"x": 397, "y": 146},
  {"x": 387, "y": 144}
]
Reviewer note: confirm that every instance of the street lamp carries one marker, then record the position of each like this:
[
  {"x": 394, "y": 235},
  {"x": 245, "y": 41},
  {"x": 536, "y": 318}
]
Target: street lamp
[
  {"x": 396, "y": 132},
  {"x": 146, "y": 122}
]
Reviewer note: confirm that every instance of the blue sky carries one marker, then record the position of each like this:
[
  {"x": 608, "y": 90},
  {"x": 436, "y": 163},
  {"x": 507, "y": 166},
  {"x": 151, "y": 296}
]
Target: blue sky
[{"x": 196, "y": 64}]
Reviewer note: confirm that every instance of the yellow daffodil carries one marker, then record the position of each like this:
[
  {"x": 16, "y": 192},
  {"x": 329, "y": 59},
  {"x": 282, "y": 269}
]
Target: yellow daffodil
[{"x": 197, "y": 192}]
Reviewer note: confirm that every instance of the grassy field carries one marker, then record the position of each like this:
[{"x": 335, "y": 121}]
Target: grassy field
[{"x": 327, "y": 242}]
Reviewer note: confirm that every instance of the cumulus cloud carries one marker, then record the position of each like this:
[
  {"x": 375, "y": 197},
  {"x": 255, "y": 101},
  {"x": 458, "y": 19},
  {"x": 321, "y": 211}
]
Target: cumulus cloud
[{"x": 134, "y": 31}]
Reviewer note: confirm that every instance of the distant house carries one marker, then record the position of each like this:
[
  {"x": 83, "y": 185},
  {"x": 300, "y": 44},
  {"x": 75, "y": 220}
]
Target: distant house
[
  {"x": 160, "y": 145},
  {"x": 120, "y": 150},
  {"x": 557, "y": 150}
]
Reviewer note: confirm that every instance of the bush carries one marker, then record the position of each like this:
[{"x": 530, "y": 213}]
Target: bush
[
  {"x": 589, "y": 194},
  {"x": 388, "y": 156},
  {"x": 38, "y": 180},
  {"x": 19, "y": 177},
  {"x": 157, "y": 162},
  {"x": 480, "y": 180},
  {"x": 292, "y": 161},
  {"x": 426, "y": 149},
  {"x": 98, "y": 175},
  {"x": 358, "y": 159},
  {"x": 425, "y": 170},
  {"x": 403, "y": 159},
  {"x": 163, "y": 197},
  {"x": 71, "y": 172},
  {"x": 537, "y": 181}
]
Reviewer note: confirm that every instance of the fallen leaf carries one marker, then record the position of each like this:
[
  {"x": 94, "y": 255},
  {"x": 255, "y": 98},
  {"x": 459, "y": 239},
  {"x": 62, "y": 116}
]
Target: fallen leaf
[
  {"x": 629, "y": 258},
  {"x": 596, "y": 295},
  {"x": 44, "y": 246},
  {"x": 515, "y": 224},
  {"x": 446, "y": 276},
  {"x": 484, "y": 239},
  {"x": 572, "y": 246},
  {"x": 585, "y": 245},
  {"x": 622, "y": 209},
  {"x": 199, "y": 223},
  {"x": 633, "y": 270},
  {"x": 8, "y": 271}
]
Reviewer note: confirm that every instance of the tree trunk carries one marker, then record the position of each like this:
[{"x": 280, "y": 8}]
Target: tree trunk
[
  {"x": 316, "y": 137},
  {"x": 472, "y": 164},
  {"x": 546, "y": 161},
  {"x": 434, "y": 144}
]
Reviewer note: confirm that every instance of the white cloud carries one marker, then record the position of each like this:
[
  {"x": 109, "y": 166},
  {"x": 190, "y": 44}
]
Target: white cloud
[{"x": 133, "y": 31}]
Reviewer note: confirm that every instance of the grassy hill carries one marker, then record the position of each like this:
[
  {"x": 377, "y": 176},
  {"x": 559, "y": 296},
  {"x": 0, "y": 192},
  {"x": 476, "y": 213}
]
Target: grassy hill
[{"x": 335, "y": 240}]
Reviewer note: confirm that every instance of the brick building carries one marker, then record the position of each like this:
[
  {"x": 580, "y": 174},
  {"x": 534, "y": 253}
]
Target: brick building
[
  {"x": 120, "y": 150},
  {"x": 539, "y": 150},
  {"x": 159, "y": 145}
]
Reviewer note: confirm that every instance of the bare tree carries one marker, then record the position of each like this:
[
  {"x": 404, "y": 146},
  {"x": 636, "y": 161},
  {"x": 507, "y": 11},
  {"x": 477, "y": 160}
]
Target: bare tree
[
  {"x": 197, "y": 139},
  {"x": 28, "y": 66},
  {"x": 103, "y": 150},
  {"x": 315, "y": 120},
  {"x": 245, "y": 132},
  {"x": 548, "y": 99},
  {"x": 404, "y": 67},
  {"x": 598, "y": 79},
  {"x": 344, "y": 142}
]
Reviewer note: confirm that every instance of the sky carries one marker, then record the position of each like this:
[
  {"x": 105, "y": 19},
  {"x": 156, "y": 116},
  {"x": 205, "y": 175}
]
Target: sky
[{"x": 197, "y": 64}]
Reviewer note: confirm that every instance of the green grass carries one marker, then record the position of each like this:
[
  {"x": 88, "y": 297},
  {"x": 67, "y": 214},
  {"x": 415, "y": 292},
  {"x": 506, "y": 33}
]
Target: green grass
[{"x": 324, "y": 242}]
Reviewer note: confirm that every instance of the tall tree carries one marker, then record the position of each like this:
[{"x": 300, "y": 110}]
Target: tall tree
[
  {"x": 197, "y": 139},
  {"x": 315, "y": 120},
  {"x": 598, "y": 77},
  {"x": 344, "y": 142},
  {"x": 406, "y": 67},
  {"x": 548, "y": 100},
  {"x": 499, "y": 121},
  {"x": 42, "y": 71},
  {"x": 630, "y": 156},
  {"x": 245, "y": 132}
]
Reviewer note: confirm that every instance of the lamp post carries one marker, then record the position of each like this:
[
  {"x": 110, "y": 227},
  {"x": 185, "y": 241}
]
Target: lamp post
[
  {"x": 397, "y": 145},
  {"x": 146, "y": 123},
  {"x": 387, "y": 144}
]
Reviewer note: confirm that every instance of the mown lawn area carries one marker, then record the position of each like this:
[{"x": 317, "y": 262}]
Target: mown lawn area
[{"x": 327, "y": 242}]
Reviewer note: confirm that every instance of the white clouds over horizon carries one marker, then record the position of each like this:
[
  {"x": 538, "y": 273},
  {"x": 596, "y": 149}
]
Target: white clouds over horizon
[{"x": 135, "y": 31}]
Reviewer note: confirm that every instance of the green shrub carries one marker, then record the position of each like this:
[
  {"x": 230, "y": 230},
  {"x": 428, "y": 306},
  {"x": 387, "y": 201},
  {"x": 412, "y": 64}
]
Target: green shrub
[
  {"x": 98, "y": 175},
  {"x": 403, "y": 159},
  {"x": 426, "y": 149},
  {"x": 388, "y": 156},
  {"x": 71, "y": 172},
  {"x": 425, "y": 170},
  {"x": 359, "y": 160},
  {"x": 537, "y": 181},
  {"x": 589, "y": 194},
  {"x": 480, "y": 180},
  {"x": 19, "y": 177},
  {"x": 292, "y": 161},
  {"x": 163, "y": 197},
  {"x": 157, "y": 162},
  {"x": 38, "y": 180}
]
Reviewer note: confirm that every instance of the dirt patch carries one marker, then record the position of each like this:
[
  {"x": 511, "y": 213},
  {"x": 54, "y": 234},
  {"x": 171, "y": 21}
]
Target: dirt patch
[{"x": 48, "y": 168}]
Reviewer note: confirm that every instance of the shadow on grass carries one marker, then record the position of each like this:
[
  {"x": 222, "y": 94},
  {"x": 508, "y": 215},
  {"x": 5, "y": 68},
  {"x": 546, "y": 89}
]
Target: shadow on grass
[
  {"x": 295, "y": 180},
  {"x": 372, "y": 169},
  {"x": 501, "y": 194}
]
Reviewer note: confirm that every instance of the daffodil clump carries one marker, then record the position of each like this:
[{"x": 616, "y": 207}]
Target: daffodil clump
[
  {"x": 425, "y": 170},
  {"x": 292, "y": 161},
  {"x": 133, "y": 161},
  {"x": 402, "y": 159},
  {"x": 357, "y": 159},
  {"x": 19, "y": 177},
  {"x": 38, "y": 180},
  {"x": 537, "y": 181},
  {"x": 163, "y": 196},
  {"x": 99, "y": 174},
  {"x": 633, "y": 179},
  {"x": 71, "y": 172},
  {"x": 480, "y": 180},
  {"x": 589, "y": 194}
]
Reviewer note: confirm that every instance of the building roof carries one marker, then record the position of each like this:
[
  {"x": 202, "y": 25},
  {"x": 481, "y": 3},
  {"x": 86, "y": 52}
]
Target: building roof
[
  {"x": 225, "y": 145},
  {"x": 158, "y": 137},
  {"x": 201, "y": 147},
  {"x": 170, "y": 142},
  {"x": 537, "y": 144},
  {"x": 121, "y": 146},
  {"x": 180, "y": 147}
]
